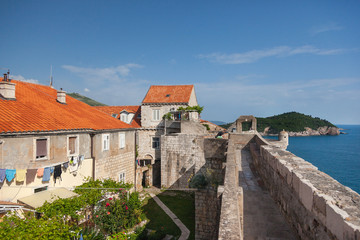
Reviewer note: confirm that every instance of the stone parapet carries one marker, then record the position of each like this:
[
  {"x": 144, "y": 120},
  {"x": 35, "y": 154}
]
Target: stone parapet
[
  {"x": 232, "y": 204},
  {"x": 316, "y": 205}
]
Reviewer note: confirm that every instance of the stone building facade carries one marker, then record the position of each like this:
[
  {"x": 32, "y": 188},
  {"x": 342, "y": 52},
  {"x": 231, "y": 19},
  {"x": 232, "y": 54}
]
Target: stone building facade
[{"x": 42, "y": 128}]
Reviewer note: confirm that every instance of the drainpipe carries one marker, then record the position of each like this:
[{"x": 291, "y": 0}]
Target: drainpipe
[{"x": 92, "y": 154}]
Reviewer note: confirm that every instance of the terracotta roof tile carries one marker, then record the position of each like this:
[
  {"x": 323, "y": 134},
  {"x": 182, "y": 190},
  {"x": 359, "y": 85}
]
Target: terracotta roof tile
[
  {"x": 168, "y": 94},
  {"x": 36, "y": 109},
  {"x": 136, "y": 122}
]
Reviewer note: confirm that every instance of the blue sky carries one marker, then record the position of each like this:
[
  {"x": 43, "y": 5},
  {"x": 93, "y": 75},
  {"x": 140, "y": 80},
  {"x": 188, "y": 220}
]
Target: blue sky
[{"x": 256, "y": 57}]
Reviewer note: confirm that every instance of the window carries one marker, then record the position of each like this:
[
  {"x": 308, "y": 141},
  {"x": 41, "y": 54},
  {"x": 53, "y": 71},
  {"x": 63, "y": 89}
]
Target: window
[
  {"x": 41, "y": 148},
  {"x": 72, "y": 146},
  {"x": 114, "y": 115},
  {"x": 106, "y": 141},
  {"x": 40, "y": 189},
  {"x": 123, "y": 117},
  {"x": 122, "y": 177},
  {"x": 121, "y": 140},
  {"x": 156, "y": 114},
  {"x": 156, "y": 143}
]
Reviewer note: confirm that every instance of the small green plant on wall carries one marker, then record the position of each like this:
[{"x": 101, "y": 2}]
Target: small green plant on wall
[{"x": 196, "y": 108}]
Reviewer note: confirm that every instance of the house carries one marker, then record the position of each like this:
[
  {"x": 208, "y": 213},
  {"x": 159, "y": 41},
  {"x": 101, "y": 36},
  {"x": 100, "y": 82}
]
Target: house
[
  {"x": 43, "y": 129},
  {"x": 128, "y": 114},
  {"x": 148, "y": 119}
]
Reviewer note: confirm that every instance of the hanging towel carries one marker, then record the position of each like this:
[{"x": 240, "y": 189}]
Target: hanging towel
[
  {"x": 20, "y": 175},
  {"x": 51, "y": 170},
  {"x": 57, "y": 172},
  {"x": 2, "y": 174},
  {"x": 30, "y": 175},
  {"x": 46, "y": 176},
  {"x": 10, "y": 174},
  {"x": 75, "y": 160},
  {"x": 65, "y": 165},
  {"x": 40, "y": 172},
  {"x": 73, "y": 168}
]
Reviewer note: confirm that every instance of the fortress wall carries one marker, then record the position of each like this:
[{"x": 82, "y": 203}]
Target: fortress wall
[
  {"x": 230, "y": 226},
  {"x": 207, "y": 213},
  {"x": 316, "y": 205},
  {"x": 179, "y": 153}
]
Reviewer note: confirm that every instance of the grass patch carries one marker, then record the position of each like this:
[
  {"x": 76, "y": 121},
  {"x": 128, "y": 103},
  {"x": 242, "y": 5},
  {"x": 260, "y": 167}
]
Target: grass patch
[
  {"x": 158, "y": 219},
  {"x": 182, "y": 204}
]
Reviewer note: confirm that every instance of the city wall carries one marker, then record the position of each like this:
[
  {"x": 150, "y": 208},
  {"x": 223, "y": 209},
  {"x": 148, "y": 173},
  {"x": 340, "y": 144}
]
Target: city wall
[{"x": 316, "y": 205}]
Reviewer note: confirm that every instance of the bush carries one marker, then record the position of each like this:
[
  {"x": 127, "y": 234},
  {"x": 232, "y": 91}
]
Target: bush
[
  {"x": 13, "y": 227},
  {"x": 117, "y": 214}
]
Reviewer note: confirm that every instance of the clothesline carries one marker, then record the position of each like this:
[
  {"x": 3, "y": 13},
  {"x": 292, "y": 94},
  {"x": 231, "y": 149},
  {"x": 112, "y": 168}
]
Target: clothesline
[{"x": 44, "y": 172}]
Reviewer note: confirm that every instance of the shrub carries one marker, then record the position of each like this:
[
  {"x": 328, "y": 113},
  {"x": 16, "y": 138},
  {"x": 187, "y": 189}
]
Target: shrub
[
  {"x": 114, "y": 215},
  {"x": 13, "y": 227}
]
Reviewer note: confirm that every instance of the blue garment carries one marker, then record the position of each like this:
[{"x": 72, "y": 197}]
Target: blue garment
[
  {"x": 2, "y": 174},
  {"x": 51, "y": 170},
  {"x": 10, "y": 174},
  {"x": 46, "y": 176}
]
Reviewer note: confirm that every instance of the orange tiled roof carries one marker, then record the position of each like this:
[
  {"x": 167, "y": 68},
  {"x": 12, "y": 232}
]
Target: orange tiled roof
[
  {"x": 136, "y": 122},
  {"x": 36, "y": 109},
  {"x": 168, "y": 94}
]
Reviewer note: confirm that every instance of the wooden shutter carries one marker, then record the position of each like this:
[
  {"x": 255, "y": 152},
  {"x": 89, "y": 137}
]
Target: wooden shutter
[
  {"x": 72, "y": 145},
  {"x": 41, "y": 148}
]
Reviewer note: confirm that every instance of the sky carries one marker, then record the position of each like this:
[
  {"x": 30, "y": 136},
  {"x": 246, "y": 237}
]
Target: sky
[{"x": 260, "y": 58}]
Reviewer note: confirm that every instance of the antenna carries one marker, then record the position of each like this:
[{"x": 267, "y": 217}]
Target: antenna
[{"x": 51, "y": 77}]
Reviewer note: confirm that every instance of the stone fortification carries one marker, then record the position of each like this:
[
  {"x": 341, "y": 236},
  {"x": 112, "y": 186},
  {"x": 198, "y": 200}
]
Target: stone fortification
[
  {"x": 182, "y": 157},
  {"x": 316, "y": 205},
  {"x": 230, "y": 226},
  {"x": 207, "y": 213},
  {"x": 179, "y": 152}
]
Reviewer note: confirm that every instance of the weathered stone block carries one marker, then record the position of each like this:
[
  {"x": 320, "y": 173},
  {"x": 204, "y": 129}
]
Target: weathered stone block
[
  {"x": 306, "y": 191},
  {"x": 335, "y": 220}
]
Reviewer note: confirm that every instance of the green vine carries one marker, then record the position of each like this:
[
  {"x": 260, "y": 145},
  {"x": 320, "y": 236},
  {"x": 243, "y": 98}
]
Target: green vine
[{"x": 196, "y": 108}]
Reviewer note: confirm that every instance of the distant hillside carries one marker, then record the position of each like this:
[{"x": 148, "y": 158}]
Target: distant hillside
[
  {"x": 291, "y": 122},
  {"x": 218, "y": 122},
  {"x": 86, "y": 100}
]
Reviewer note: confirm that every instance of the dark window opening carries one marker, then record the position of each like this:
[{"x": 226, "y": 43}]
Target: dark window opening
[
  {"x": 41, "y": 148},
  {"x": 40, "y": 189}
]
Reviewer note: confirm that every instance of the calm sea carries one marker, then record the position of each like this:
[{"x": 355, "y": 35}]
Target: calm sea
[{"x": 338, "y": 156}]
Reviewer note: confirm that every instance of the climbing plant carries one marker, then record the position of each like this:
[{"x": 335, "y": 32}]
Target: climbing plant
[{"x": 196, "y": 108}]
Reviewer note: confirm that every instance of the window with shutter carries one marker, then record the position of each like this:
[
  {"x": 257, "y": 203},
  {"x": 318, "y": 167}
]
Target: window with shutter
[
  {"x": 122, "y": 140},
  {"x": 72, "y": 145},
  {"x": 41, "y": 148},
  {"x": 106, "y": 141},
  {"x": 156, "y": 114}
]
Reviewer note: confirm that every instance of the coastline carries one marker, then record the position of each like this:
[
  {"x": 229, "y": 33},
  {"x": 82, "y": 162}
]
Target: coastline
[{"x": 321, "y": 131}]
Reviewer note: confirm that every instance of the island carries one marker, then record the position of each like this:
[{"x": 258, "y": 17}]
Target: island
[{"x": 296, "y": 124}]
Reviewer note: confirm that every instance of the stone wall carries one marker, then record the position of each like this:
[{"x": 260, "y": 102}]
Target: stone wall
[
  {"x": 147, "y": 113},
  {"x": 110, "y": 163},
  {"x": 207, "y": 213},
  {"x": 179, "y": 155},
  {"x": 232, "y": 197},
  {"x": 316, "y": 205},
  {"x": 145, "y": 149}
]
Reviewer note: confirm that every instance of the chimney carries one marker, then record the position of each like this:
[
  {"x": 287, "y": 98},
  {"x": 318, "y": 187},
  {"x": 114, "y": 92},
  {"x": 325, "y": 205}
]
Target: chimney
[
  {"x": 61, "y": 96},
  {"x": 7, "y": 88}
]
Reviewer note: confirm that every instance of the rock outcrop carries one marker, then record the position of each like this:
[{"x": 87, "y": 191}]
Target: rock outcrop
[{"x": 320, "y": 131}]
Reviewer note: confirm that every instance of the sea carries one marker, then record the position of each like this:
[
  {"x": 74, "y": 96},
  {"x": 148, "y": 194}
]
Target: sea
[{"x": 338, "y": 156}]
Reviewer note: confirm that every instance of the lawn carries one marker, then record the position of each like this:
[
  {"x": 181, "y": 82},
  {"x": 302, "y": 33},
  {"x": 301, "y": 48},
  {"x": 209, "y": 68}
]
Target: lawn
[
  {"x": 158, "y": 219},
  {"x": 182, "y": 204}
]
